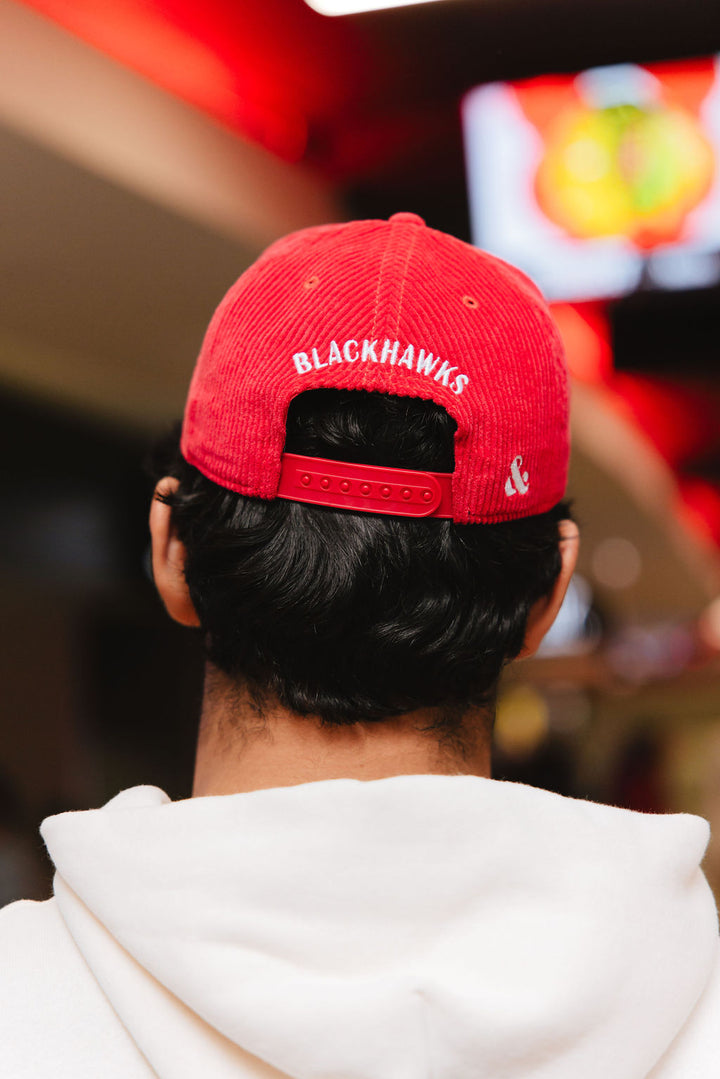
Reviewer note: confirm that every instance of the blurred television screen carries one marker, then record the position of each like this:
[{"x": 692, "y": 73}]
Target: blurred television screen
[{"x": 603, "y": 182}]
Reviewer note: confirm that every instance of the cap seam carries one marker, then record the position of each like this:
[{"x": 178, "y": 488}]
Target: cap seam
[
  {"x": 381, "y": 275},
  {"x": 411, "y": 245}
]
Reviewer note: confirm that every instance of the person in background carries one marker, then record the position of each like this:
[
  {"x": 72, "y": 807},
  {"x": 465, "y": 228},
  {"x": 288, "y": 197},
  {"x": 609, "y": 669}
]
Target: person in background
[
  {"x": 364, "y": 518},
  {"x": 20, "y": 873}
]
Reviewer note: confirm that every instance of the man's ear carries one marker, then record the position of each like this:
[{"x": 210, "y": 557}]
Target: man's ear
[
  {"x": 544, "y": 612},
  {"x": 168, "y": 558}
]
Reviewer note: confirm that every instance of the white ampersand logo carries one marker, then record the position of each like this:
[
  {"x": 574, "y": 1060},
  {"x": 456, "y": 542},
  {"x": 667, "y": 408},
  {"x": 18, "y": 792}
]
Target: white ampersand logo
[{"x": 520, "y": 479}]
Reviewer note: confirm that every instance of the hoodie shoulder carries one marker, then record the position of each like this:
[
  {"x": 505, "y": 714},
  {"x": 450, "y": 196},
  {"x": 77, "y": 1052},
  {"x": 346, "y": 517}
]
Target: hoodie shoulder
[
  {"x": 55, "y": 1020},
  {"x": 696, "y": 1050}
]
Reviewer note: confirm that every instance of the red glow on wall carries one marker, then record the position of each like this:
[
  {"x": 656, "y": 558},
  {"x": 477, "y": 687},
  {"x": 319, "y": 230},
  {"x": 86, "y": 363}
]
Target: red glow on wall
[
  {"x": 700, "y": 507},
  {"x": 681, "y": 418},
  {"x": 586, "y": 335},
  {"x": 268, "y": 69}
]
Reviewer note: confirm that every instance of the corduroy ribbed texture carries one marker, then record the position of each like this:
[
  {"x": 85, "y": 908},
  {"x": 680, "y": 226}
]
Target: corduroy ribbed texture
[{"x": 404, "y": 309}]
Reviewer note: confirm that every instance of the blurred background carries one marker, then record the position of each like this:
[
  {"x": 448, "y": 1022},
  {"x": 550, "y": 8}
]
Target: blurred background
[{"x": 150, "y": 150}]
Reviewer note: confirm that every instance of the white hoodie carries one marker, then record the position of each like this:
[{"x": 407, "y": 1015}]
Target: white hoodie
[{"x": 418, "y": 927}]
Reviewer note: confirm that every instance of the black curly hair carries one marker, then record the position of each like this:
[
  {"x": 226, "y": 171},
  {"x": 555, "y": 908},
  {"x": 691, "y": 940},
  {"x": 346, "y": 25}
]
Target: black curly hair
[{"x": 351, "y": 616}]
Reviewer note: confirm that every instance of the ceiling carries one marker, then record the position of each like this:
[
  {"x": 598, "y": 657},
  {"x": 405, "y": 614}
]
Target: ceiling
[
  {"x": 105, "y": 294},
  {"x": 371, "y": 101}
]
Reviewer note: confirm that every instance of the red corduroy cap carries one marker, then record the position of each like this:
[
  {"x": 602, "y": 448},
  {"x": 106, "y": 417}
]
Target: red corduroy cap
[{"x": 403, "y": 309}]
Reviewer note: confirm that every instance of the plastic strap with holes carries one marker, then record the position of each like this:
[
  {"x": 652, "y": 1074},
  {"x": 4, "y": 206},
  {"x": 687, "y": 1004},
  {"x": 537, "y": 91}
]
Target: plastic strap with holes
[{"x": 365, "y": 488}]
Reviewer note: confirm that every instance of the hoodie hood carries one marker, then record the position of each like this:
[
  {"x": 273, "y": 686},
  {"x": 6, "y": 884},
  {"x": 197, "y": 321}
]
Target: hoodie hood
[{"x": 418, "y": 927}]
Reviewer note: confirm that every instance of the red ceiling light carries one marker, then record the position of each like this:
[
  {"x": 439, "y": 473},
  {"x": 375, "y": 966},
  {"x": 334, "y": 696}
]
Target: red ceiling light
[{"x": 354, "y": 7}]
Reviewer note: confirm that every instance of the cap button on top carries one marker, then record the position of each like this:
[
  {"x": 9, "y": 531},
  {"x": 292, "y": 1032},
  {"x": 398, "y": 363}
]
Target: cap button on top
[{"x": 405, "y": 218}]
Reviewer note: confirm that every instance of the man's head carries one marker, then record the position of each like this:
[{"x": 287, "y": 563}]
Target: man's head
[{"x": 356, "y": 593}]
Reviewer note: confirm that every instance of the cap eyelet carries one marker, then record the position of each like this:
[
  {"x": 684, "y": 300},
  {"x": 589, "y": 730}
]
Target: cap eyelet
[
  {"x": 470, "y": 302},
  {"x": 310, "y": 283}
]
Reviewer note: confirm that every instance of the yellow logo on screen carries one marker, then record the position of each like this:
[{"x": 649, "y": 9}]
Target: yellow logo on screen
[{"x": 624, "y": 171}]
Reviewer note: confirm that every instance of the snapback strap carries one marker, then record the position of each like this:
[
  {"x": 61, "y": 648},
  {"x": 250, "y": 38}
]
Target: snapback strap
[{"x": 365, "y": 488}]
